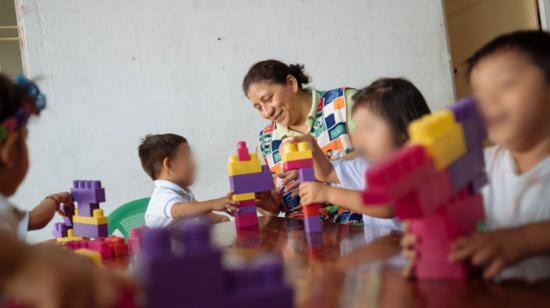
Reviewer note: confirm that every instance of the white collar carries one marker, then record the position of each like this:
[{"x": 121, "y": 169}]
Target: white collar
[{"x": 171, "y": 185}]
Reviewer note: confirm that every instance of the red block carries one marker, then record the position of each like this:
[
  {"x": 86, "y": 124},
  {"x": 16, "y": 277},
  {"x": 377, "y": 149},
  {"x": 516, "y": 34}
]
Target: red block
[
  {"x": 246, "y": 220},
  {"x": 246, "y": 203},
  {"x": 242, "y": 151},
  {"x": 297, "y": 164},
  {"x": 423, "y": 201},
  {"x": 311, "y": 210},
  {"x": 400, "y": 174}
]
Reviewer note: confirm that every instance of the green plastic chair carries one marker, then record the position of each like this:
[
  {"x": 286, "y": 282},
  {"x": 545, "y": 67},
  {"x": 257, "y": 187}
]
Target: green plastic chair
[{"x": 128, "y": 216}]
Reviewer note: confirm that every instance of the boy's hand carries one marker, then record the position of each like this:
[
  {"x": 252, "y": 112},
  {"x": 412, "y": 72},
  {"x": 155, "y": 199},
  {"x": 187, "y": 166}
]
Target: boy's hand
[
  {"x": 493, "y": 250},
  {"x": 53, "y": 277},
  {"x": 313, "y": 192},
  {"x": 225, "y": 204},
  {"x": 408, "y": 246}
]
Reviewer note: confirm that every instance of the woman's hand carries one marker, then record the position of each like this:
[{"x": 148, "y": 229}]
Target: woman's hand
[
  {"x": 313, "y": 192},
  {"x": 494, "y": 250},
  {"x": 289, "y": 181}
]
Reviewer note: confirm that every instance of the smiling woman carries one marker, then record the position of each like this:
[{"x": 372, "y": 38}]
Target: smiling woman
[{"x": 277, "y": 91}]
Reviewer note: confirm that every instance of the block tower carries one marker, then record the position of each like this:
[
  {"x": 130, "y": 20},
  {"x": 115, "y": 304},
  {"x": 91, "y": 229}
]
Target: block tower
[
  {"x": 434, "y": 182},
  {"x": 185, "y": 256},
  {"x": 89, "y": 220},
  {"x": 247, "y": 176},
  {"x": 299, "y": 157}
]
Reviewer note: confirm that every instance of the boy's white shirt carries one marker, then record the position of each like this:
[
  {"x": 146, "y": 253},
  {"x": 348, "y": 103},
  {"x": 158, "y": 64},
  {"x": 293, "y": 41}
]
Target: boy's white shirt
[
  {"x": 165, "y": 195},
  {"x": 513, "y": 200},
  {"x": 351, "y": 175},
  {"x": 8, "y": 219}
]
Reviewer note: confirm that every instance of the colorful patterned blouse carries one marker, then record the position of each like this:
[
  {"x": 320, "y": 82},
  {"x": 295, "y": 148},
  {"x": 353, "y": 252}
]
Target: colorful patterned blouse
[{"x": 329, "y": 121}]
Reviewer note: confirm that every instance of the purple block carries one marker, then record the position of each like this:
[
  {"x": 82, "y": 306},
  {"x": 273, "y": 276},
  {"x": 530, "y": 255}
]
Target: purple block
[
  {"x": 312, "y": 224},
  {"x": 192, "y": 277},
  {"x": 68, "y": 221},
  {"x": 87, "y": 192},
  {"x": 306, "y": 175},
  {"x": 252, "y": 182},
  {"x": 87, "y": 209},
  {"x": 466, "y": 169},
  {"x": 60, "y": 230},
  {"x": 262, "y": 286},
  {"x": 247, "y": 209},
  {"x": 89, "y": 230},
  {"x": 467, "y": 113}
]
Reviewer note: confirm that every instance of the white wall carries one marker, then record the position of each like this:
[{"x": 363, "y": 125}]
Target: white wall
[
  {"x": 544, "y": 12},
  {"x": 116, "y": 70}
]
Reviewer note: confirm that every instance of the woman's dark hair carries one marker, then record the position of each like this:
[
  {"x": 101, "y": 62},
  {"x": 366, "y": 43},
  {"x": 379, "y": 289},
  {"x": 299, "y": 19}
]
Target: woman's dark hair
[
  {"x": 535, "y": 44},
  {"x": 274, "y": 71},
  {"x": 11, "y": 97},
  {"x": 395, "y": 99}
]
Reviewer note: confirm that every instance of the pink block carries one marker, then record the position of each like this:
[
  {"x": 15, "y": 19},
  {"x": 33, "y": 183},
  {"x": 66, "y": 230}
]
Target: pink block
[
  {"x": 246, "y": 220},
  {"x": 246, "y": 203},
  {"x": 442, "y": 270},
  {"x": 399, "y": 175},
  {"x": 102, "y": 248},
  {"x": 242, "y": 151},
  {"x": 423, "y": 201},
  {"x": 297, "y": 164}
]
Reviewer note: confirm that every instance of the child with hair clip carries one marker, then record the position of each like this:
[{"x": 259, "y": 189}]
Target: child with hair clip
[
  {"x": 381, "y": 112},
  {"x": 42, "y": 275}
]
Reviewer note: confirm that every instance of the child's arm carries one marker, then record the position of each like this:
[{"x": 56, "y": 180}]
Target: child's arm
[
  {"x": 196, "y": 208},
  {"x": 216, "y": 218},
  {"x": 324, "y": 171},
  {"x": 43, "y": 213},
  {"x": 313, "y": 192},
  {"x": 500, "y": 248}
]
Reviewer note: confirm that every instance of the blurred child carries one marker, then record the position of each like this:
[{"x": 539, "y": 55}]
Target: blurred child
[
  {"x": 17, "y": 103},
  {"x": 381, "y": 112},
  {"x": 44, "y": 275},
  {"x": 167, "y": 159},
  {"x": 510, "y": 77}
]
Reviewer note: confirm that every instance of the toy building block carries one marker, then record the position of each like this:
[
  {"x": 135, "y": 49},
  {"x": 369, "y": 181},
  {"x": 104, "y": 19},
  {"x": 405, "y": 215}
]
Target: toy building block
[
  {"x": 117, "y": 245},
  {"x": 60, "y": 230},
  {"x": 467, "y": 168},
  {"x": 69, "y": 213},
  {"x": 198, "y": 267},
  {"x": 478, "y": 183},
  {"x": 442, "y": 136},
  {"x": 312, "y": 210},
  {"x": 70, "y": 237},
  {"x": 306, "y": 174},
  {"x": 93, "y": 255},
  {"x": 252, "y": 182},
  {"x": 293, "y": 151},
  {"x": 397, "y": 176},
  {"x": 87, "y": 209},
  {"x": 85, "y": 192},
  {"x": 91, "y": 230},
  {"x": 466, "y": 113},
  {"x": 134, "y": 241},
  {"x": 98, "y": 218},
  {"x": 247, "y": 209},
  {"x": 244, "y": 197},
  {"x": 312, "y": 223},
  {"x": 242, "y": 151},
  {"x": 259, "y": 286},
  {"x": 243, "y": 163},
  {"x": 297, "y": 164},
  {"x": 243, "y": 220}
]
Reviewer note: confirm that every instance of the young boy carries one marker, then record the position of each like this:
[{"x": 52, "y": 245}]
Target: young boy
[
  {"x": 168, "y": 161},
  {"x": 510, "y": 77}
]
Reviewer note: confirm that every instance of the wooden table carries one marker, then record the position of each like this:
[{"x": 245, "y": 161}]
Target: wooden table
[{"x": 352, "y": 267}]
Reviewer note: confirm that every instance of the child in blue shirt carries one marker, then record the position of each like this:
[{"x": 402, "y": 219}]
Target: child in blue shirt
[{"x": 381, "y": 113}]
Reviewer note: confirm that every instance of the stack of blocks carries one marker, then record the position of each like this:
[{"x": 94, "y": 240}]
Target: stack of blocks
[
  {"x": 62, "y": 229},
  {"x": 434, "y": 181},
  {"x": 247, "y": 177},
  {"x": 89, "y": 220},
  {"x": 299, "y": 157},
  {"x": 107, "y": 248},
  {"x": 185, "y": 257}
]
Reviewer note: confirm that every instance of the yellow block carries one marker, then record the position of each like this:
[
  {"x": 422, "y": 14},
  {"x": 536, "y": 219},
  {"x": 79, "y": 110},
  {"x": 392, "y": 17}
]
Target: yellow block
[
  {"x": 70, "y": 237},
  {"x": 237, "y": 167},
  {"x": 243, "y": 197},
  {"x": 93, "y": 255},
  {"x": 98, "y": 219},
  {"x": 442, "y": 136},
  {"x": 291, "y": 152}
]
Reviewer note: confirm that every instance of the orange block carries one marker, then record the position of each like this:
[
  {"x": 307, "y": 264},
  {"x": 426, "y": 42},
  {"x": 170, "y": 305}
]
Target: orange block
[{"x": 311, "y": 210}]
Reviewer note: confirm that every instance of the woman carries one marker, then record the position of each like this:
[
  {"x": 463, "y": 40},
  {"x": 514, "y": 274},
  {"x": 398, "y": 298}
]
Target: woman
[{"x": 277, "y": 91}]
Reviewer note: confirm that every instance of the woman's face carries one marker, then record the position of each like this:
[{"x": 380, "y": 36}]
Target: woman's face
[
  {"x": 275, "y": 101},
  {"x": 373, "y": 136}
]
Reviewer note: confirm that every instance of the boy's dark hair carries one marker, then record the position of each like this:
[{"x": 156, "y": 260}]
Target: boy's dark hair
[
  {"x": 535, "y": 44},
  {"x": 274, "y": 71},
  {"x": 395, "y": 99},
  {"x": 155, "y": 148},
  {"x": 11, "y": 97}
]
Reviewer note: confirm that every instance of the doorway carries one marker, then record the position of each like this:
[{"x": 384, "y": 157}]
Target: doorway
[
  {"x": 10, "y": 52},
  {"x": 472, "y": 23}
]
